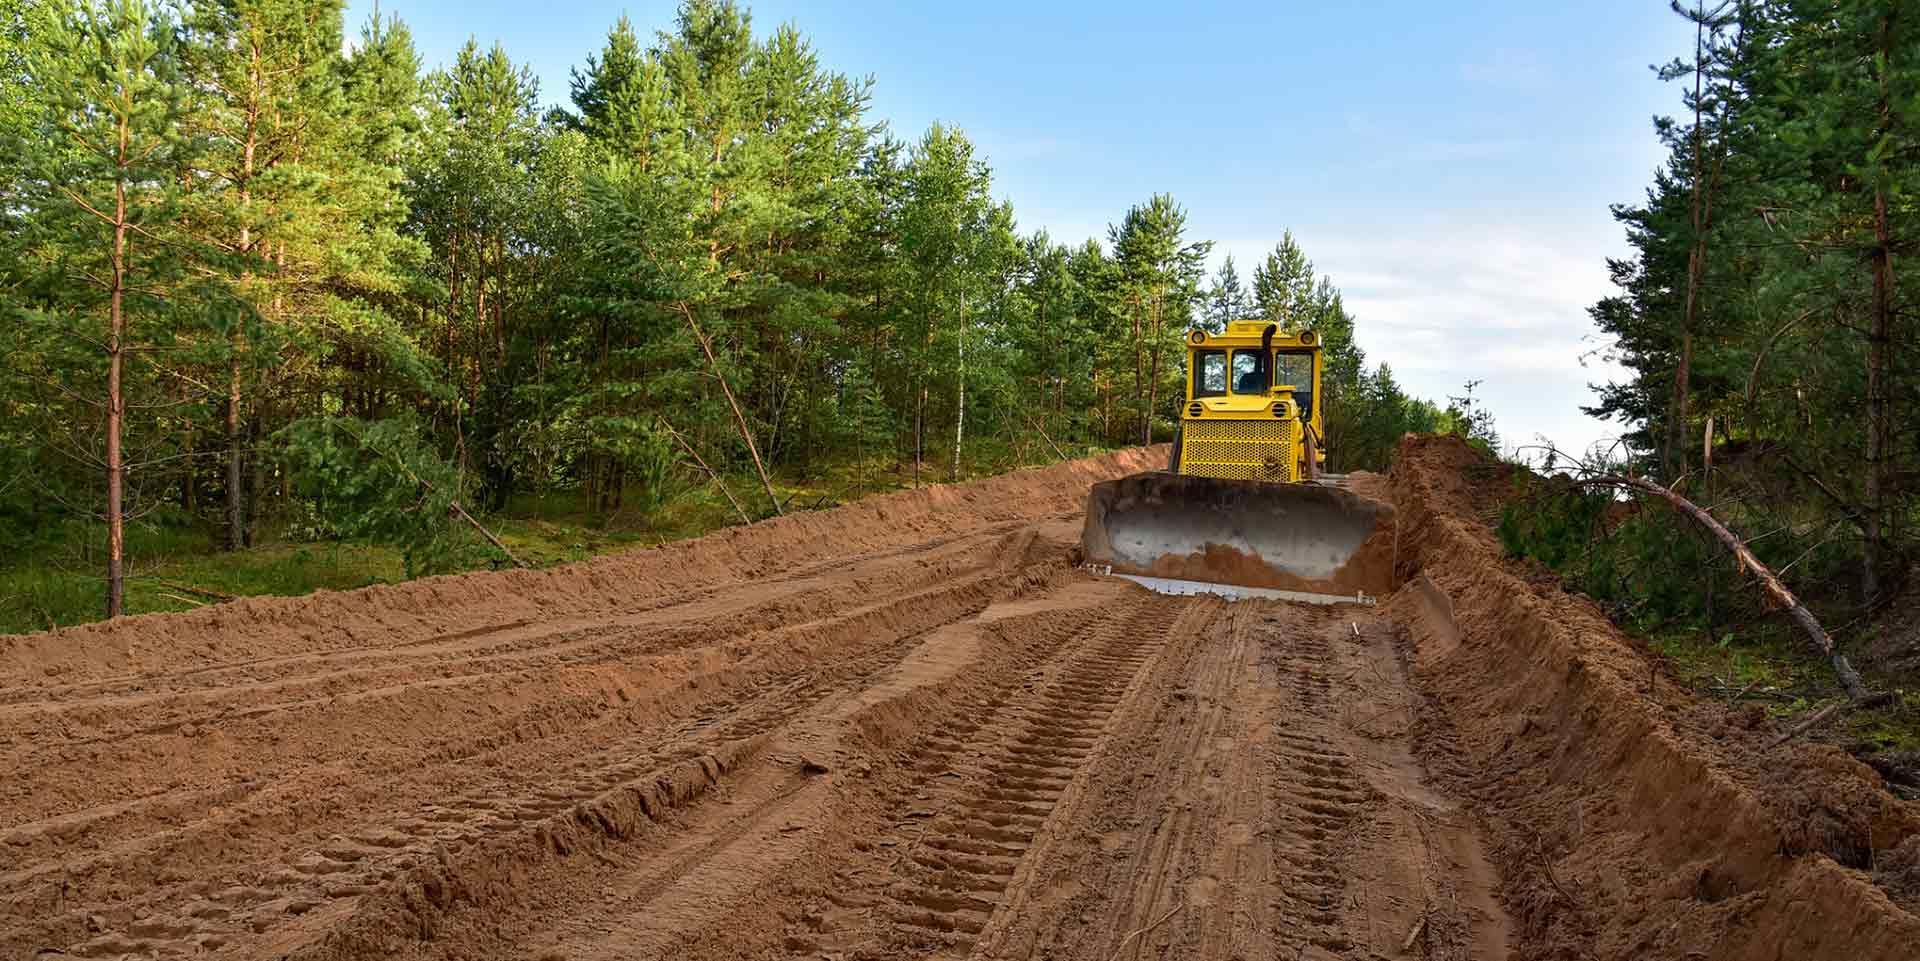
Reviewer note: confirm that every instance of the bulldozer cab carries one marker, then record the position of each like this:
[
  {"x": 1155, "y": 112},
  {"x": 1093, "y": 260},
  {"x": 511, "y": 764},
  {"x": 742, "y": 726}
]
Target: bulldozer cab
[
  {"x": 1244, "y": 508},
  {"x": 1250, "y": 411}
]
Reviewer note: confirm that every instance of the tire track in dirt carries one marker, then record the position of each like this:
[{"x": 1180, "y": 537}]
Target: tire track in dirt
[
  {"x": 791, "y": 596},
  {"x": 1248, "y": 804},
  {"x": 954, "y": 872},
  {"x": 790, "y": 810},
  {"x": 333, "y": 853}
]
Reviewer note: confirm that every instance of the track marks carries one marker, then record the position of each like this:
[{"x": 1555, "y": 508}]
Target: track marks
[
  {"x": 984, "y": 784},
  {"x": 957, "y": 870},
  {"x": 1236, "y": 810},
  {"x": 303, "y": 853},
  {"x": 1316, "y": 792}
]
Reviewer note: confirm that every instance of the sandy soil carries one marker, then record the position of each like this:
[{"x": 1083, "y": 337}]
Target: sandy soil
[{"x": 911, "y": 727}]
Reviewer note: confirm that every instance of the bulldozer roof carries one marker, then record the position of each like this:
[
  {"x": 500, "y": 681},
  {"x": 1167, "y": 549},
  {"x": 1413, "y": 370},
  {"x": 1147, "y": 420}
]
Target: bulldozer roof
[{"x": 1247, "y": 333}]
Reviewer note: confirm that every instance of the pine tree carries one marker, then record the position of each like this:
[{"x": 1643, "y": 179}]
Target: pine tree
[
  {"x": 97, "y": 247},
  {"x": 943, "y": 219},
  {"x": 294, "y": 190},
  {"x": 1227, "y": 298},
  {"x": 470, "y": 194},
  {"x": 1283, "y": 285},
  {"x": 1157, "y": 288}
]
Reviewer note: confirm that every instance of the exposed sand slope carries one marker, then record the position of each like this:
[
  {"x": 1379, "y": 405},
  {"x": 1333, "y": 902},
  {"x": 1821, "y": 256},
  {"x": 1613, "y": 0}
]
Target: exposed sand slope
[{"x": 910, "y": 727}]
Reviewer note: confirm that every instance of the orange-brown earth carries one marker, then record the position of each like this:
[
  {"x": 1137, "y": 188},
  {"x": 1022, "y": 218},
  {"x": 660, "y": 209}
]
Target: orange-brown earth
[{"x": 912, "y": 727}]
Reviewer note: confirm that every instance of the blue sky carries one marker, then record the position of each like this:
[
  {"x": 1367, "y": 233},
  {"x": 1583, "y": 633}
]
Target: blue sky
[{"x": 1448, "y": 164}]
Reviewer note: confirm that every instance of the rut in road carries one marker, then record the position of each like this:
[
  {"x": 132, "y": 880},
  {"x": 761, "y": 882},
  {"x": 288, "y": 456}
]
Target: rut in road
[
  {"x": 953, "y": 872},
  {"x": 961, "y": 746},
  {"x": 1258, "y": 798},
  {"x": 915, "y": 728},
  {"x": 256, "y": 843},
  {"x": 1047, "y": 777}
]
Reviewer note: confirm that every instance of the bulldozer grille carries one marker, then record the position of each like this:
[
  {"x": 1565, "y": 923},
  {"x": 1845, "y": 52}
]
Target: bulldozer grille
[{"x": 1259, "y": 450}]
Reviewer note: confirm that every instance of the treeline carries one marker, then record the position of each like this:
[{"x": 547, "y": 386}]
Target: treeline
[
  {"x": 253, "y": 270},
  {"x": 1766, "y": 317}
]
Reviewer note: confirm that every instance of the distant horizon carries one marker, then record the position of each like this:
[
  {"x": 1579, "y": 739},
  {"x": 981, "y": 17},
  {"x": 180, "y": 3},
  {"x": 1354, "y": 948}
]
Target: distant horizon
[{"x": 1456, "y": 192}]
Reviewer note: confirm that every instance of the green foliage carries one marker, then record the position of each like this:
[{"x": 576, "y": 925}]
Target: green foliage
[
  {"x": 1467, "y": 417},
  {"x": 1657, "y": 571},
  {"x": 1804, "y": 129},
  {"x": 1156, "y": 288},
  {"x": 360, "y": 291},
  {"x": 380, "y": 482},
  {"x": 1227, "y": 299}
]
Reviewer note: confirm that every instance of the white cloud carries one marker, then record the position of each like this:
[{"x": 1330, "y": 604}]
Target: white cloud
[{"x": 1504, "y": 303}]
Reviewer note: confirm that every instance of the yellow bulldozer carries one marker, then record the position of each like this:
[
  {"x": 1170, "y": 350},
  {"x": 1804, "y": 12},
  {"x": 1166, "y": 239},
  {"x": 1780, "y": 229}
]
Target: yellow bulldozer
[{"x": 1245, "y": 507}]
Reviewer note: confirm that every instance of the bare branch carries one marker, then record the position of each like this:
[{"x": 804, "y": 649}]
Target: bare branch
[{"x": 1775, "y": 591}]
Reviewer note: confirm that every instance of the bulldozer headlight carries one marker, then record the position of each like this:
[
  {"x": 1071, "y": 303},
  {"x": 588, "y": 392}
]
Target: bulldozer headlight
[
  {"x": 1282, "y": 409},
  {"x": 1309, "y": 338}
]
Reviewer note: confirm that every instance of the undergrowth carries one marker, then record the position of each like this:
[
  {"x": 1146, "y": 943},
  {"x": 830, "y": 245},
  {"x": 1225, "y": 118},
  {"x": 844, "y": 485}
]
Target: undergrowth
[
  {"x": 55, "y": 578},
  {"x": 1661, "y": 578}
]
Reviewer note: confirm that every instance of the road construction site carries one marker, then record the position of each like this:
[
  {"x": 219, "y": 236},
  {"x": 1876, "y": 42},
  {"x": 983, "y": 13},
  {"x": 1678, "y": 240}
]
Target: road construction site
[{"x": 917, "y": 726}]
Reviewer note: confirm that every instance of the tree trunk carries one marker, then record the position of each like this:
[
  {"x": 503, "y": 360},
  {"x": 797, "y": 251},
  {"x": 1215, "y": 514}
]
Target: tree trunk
[
  {"x": 710, "y": 472},
  {"x": 256, "y": 480},
  {"x": 739, "y": 419},
  {"x": 1675, "y": 461},
  {"x": 1138, "y": 393},
  {"x": 236, "y": 496},
  {"x": 1879, "y": 343},
  {"x": 1676, "y": 426},
  {"x": 116, "y": 402},
  {"x": 1153, "y": 380},
  {"x": 920, "y": 408},
  {"x": 960, "y": 407}
]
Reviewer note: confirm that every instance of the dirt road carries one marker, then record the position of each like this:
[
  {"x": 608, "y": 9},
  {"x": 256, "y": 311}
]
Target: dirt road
[{"x": 908, "y": 728}]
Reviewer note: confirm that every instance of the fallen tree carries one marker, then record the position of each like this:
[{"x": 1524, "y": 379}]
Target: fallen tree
[{"x": 1775, "y": 591}]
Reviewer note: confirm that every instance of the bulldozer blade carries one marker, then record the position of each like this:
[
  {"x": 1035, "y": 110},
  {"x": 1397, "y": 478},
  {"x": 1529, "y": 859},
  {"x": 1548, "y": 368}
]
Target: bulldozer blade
[{"x": 1290, "y": 537}]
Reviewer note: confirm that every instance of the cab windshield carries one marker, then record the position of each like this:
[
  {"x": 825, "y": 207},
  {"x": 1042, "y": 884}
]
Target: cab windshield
[{"x": 1250, "y": 372}]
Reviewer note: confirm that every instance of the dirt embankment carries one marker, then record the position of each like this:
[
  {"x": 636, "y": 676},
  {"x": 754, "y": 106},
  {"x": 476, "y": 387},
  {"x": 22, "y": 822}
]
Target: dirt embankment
[
  {"x": 1628, "y": 819},
  {"x": 911, "y": 728},
  {"x": 332, "y": 775},
  {"x": 332, "y": 621}
]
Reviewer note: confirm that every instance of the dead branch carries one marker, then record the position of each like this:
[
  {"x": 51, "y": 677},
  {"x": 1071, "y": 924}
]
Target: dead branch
[
  {"x": 710, "y": 472},
  {"x": 461, "y": 512},
  {"x": 1753, "y": 376},
  {"x": 189, "y": 588},
  {"x": 1830, "y": 712},
  {"x": 739, "y": 419},
  {"x": 1057, "y": 452},
  {"x": 1775, "y": 591},
  {"x": 1546, "y": 868},
  {"x": 1142, "y": 931},
  {"x": 1771, "y": 585},
  {"x": 453, "y": 506},
  {"x": 1414, "y": 935}
]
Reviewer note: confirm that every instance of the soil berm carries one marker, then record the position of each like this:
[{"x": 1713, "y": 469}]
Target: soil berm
[{"x": 914, "y": 727}]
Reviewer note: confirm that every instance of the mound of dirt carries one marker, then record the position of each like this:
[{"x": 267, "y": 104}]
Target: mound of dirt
[
  {"x": 447, "y": 606},
  {"x": 1628, "y": 819}
]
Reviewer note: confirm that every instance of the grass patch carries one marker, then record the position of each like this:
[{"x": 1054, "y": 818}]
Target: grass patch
[
  {"x": 172, "y": 564},
  {"x": 1772, "y": 667}
]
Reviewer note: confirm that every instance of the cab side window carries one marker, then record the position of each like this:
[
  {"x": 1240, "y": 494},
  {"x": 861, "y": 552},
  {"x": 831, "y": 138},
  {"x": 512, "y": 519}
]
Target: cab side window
[
  {"x": 1296, "y": 370},
  {"x": 1209, "y": 373}
]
